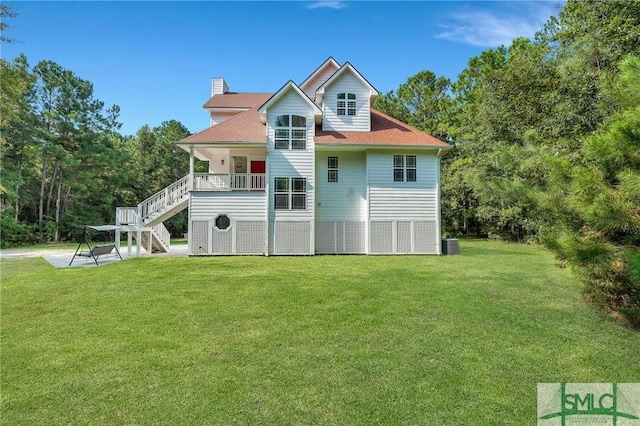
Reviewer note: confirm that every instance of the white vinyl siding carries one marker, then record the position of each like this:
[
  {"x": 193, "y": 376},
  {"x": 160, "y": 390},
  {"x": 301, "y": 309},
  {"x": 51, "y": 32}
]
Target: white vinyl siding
[
  {"x": 403, "y": 215},
  {"x": 389, "y": 200},
  {"x": 218, "y": 86},
  {"x": 341, "y": 206},
  {"x": 344, "y": 200},
  {"x": 361, "y": 122},
  {"x": 294, "y": 163},
  {"x": 237, "y": 205},
  {"x": 218, "y": 117}
]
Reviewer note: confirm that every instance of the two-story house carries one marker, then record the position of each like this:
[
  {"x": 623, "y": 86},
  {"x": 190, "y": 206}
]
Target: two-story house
[{"x": 312, "y": 168}]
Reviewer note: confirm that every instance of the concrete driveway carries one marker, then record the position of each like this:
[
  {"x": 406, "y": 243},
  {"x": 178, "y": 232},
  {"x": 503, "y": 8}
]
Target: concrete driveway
[{"x": 60, "y": 258}]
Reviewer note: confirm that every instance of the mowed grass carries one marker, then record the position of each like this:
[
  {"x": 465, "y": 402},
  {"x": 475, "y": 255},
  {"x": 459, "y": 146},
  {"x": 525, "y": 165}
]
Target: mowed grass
[{"x": 301, "y": 340}]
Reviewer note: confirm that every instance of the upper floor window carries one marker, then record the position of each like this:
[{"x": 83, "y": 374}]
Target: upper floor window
[
  {"x": 290, "y": 193},
  {"x": 332, "y": 169},
  {"x": 404, "y": 168},
  {"x": 346, "y": 104},
  {"x": 291, "y": 132}
]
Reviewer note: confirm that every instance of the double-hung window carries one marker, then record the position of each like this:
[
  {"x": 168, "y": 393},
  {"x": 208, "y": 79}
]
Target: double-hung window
[
  {"x": 404, "y": 168},
  {"x": 346, "y": 104},
  {"x": 290, "y": 132},
  {"x": 332, "y": 169},
  {"x": 290, "y": 193}
]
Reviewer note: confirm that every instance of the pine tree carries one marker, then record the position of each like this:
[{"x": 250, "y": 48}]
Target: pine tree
[{"x": 603, "y": 195}]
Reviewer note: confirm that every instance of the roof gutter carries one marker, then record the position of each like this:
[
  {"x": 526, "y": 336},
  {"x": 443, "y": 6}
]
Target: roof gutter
[{"x": 366, "y": 146}]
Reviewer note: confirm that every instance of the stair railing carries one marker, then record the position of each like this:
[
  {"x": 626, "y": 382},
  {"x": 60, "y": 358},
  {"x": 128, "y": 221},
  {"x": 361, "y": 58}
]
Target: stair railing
[
  {"x": 162, "y": 233},
  {"x": 164, "y": 199}
]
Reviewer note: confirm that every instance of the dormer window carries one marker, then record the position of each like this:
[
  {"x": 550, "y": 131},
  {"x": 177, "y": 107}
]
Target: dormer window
[
  {"x": 346, "y": 104},
  {"x": 291, "y": 132}
]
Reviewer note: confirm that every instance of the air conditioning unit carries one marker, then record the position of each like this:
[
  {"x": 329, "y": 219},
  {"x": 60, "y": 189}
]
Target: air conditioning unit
[{"x": 450, "y": 246}]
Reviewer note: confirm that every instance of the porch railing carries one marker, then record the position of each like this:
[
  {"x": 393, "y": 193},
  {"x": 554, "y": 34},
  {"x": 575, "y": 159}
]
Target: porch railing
[
  {"x": 169, "y": 197},
  {"x": 229, "y": 182},
  {"x": 126, "y": 215}
]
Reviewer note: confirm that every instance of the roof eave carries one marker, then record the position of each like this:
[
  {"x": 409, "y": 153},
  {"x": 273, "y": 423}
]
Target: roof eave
[
  {"x": 367, "y": 145},
  {"x": 226, "y": 109},
  {"x": 223, "y": 144}
]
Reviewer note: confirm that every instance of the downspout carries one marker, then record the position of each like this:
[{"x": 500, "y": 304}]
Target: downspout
[
  {"x": 438, "y": 213},
  {"x": 267, "y": 189}
]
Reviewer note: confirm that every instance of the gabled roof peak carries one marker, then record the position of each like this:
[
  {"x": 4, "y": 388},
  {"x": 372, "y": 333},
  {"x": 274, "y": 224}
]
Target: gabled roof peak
[
  {"x": 347, "y": 67},
  {"x": 330, "y": 64},
  {"x": 290, "y": 85}
]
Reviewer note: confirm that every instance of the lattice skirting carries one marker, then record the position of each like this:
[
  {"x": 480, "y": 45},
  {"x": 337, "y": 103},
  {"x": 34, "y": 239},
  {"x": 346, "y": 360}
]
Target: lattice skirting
[
  {"x": 340, "y": 237},
  {"x": 292, "y": 237},
  {"x": 242, "y": 237},
  {"x": 404, "y": 237},
  {"x": 295, "y": 237}
]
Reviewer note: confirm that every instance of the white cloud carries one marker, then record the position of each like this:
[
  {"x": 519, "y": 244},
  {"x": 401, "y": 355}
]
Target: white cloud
[
  {"x": 488, "y": 29},
  {"x": 327, "y": 4}
]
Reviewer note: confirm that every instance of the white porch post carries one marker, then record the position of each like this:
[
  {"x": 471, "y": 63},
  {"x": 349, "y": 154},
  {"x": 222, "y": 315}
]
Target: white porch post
[
  {"x": 138, "y": 230},
  {"x": 191, "y": 167},
  {"x": 118, "y": 229}
]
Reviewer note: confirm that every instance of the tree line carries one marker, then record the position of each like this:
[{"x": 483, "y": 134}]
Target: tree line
[
  {"x": 63, "y": 161},
  {"x": 546, "y": 137}
]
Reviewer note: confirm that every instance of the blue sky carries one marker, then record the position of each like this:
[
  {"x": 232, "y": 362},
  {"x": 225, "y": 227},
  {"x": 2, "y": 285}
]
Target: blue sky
[{"x": 155, "y": 59}]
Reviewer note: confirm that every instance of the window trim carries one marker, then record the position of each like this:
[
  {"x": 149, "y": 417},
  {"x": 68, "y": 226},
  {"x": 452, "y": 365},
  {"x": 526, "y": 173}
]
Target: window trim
[
  {"x": 287, "y": 136},
  {"x": 215, "y": 223},
  {"x": 332, "y": 170},
  {"x": 346, "y": 104},
  {"x": 298, "y": 194},
  {"x": 292, "y": 193},
  {"x": 278, "y": 193},
  {"x": 402, "y": 169}
]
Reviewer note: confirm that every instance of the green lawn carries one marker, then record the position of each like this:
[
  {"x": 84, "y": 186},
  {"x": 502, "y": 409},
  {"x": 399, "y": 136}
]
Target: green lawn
[{"x": 301, "y": 340}]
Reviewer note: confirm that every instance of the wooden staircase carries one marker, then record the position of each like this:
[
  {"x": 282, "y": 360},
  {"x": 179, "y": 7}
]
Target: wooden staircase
[
  {"x": 152, "y": 241},
  {"x": 145, "y": 221}
]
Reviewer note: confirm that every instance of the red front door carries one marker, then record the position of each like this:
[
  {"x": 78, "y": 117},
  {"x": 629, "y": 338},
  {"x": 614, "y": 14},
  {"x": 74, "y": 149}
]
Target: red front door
[
  {"x": 257, "y": 182},
  {"x": 258, "y": 166}
]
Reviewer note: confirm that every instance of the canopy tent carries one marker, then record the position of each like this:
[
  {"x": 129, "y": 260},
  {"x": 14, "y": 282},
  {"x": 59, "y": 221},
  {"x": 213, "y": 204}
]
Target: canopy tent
[{"x": 96, "y": 251}]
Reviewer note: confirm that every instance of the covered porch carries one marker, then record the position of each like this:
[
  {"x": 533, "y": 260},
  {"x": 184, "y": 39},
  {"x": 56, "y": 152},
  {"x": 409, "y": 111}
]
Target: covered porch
[{"x": 231, "y": 167}]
